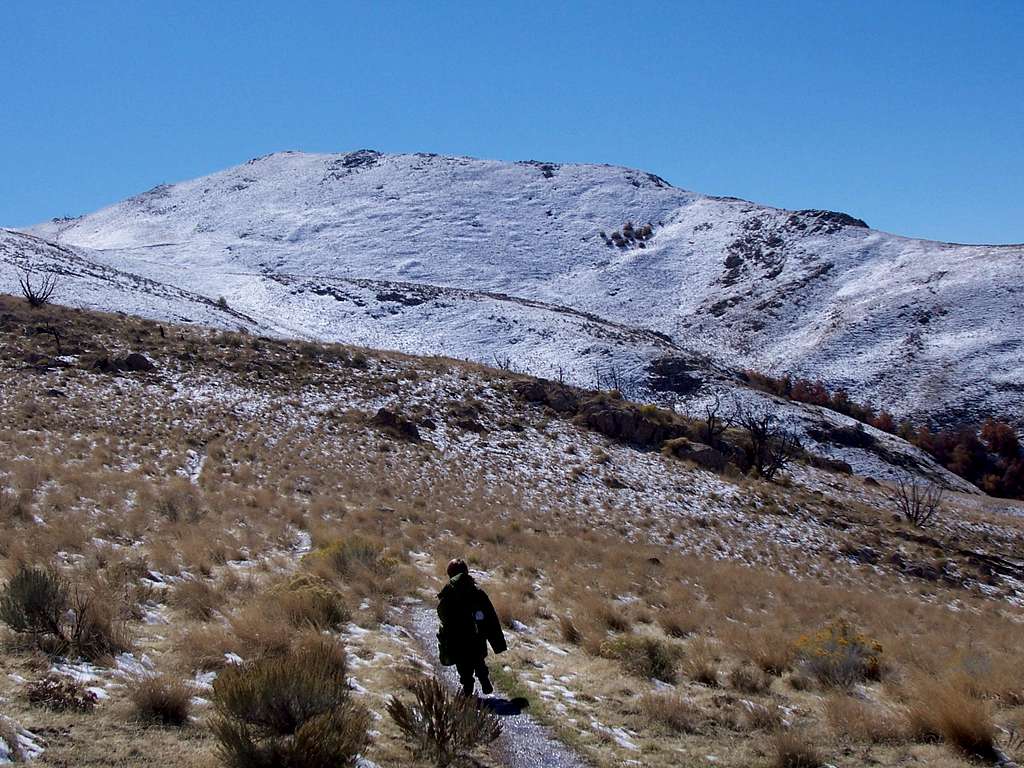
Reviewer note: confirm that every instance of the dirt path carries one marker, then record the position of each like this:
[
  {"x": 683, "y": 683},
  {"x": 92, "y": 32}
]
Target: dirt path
[{"x": 524, "y": 743}]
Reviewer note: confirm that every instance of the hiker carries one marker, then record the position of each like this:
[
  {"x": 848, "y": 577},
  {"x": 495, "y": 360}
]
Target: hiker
[{"x": 468, "y": 624}]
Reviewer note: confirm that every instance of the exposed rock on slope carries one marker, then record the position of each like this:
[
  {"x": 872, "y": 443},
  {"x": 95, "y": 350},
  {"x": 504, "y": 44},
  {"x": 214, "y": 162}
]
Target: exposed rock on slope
[{"x": 571, "y": 268}]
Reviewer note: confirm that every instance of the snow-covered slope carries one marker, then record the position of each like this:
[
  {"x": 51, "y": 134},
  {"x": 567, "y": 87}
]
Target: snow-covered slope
[
  {"x": 518, "y": 261},
  {"x": 84, "y": 283}
]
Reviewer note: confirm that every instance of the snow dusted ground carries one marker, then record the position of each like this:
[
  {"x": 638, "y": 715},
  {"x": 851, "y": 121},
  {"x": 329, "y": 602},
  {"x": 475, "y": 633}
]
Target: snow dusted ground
[{"x": 484, "y": 259}]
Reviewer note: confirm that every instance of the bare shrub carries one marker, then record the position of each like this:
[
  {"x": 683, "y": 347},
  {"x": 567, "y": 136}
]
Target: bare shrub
[
  {"x": 95, "y": 630},
  {"x": 293, "y": 710},
  {"x": 794, "y": 750},
  {"x": 161, "y": 700},
  {"x": 441, "y": 726},
  {"x": 768, "y": 447},
  {"x": 37, "y": 294},
  {"x": 671, "y": 712},
  {"x": 60, "y": 694},
  {"x": 715, "y": 422},
  {"x": 918, "y": 501}
]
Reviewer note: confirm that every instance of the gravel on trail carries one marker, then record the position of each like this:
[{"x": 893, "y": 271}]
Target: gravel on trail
[{"x": 524, "y": 742}]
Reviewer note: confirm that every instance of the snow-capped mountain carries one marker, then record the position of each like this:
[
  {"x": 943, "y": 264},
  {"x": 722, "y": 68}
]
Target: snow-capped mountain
[{"x": 533, "y": 263}]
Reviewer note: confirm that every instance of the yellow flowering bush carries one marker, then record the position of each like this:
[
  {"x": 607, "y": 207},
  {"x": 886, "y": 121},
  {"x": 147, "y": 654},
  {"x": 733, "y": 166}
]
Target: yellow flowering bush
[{"x": 838, "y": 656}]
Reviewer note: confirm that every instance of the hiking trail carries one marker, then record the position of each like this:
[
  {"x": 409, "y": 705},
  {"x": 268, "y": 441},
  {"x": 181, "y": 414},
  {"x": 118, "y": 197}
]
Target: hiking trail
[{"x": 524, "y": 743}]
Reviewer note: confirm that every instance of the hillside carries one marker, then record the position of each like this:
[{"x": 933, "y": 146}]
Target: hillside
[
  {"x": 531, "y": 263},
  {"x": 657, "y": 612}
]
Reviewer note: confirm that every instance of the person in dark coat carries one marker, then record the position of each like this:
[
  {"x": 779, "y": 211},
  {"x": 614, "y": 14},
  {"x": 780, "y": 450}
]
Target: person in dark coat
[{"x": 468, "y": 624}]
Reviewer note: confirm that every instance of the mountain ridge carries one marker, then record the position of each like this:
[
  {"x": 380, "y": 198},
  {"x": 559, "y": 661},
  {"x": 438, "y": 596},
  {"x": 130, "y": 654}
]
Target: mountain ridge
[{"x": 813, "y": 293}]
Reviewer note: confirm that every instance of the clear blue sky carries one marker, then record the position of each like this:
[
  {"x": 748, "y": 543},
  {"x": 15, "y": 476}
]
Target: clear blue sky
[{"x": 907, "y": 114}]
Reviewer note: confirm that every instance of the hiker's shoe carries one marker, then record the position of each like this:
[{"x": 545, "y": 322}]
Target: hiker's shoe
[
  {"x": 467, "y": 691},
  {"x": 486, "y": 687}
]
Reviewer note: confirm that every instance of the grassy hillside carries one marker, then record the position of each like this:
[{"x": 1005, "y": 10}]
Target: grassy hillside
[{"x": 247, "y": 492}]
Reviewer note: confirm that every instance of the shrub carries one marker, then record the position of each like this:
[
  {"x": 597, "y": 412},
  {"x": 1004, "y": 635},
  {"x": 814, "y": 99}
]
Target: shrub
[
  {"x": 749, "y": 679},
  {"x": 60, "y": 694},
  {"x": 161, "y": 700},
  {"x": 197, "y": 598},
  {"x": 701, "y": 663},
  {"x": 355, "y": 559},
  {"x": 39, "y": 602},
  {"x": 94, "y": 629},
  {"x": 307, "y": 601},
  {"x": 441, "y": 726},
  {"x": 793, "y": 750},
  {"x": 290, "y": 711},
  {"x": 680, "y": 622},
  {"x": 770, "y": 651},
  {"x": 34, "y": 602},
  {"x": 838, "y": 657},
  {"x": 646, "y": 657},
  {"x": 671, "y": 712},
  {"x": 606, "y": 614},
  {"x": 15, "y": 505},
  {"x": 568, "y": 630},
  {"x": 752, "y": 716}
]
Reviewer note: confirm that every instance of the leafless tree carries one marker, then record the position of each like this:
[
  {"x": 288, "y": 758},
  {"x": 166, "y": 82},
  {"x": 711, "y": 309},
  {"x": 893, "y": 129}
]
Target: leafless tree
[
  {"x": 503, "y": 362},
  {"x": 769, "y": 447},
  {"x": 716, "y": 421},
  {"x": 918, "y": 501},
  {"x": 39, "y": 294}
]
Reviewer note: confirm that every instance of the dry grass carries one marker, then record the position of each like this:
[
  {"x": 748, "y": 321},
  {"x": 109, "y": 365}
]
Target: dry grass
[
  {"x": 198, "y": 515},
  {"x": 865, "y": 721},
  {"x": 747, "y": 678},
  {"x": 945, "y": 709},
  {"x": 671, "y": 712},
  {"x": 795, "y": 750},
  {"x": 701, "y": 662},
  {"x": 196, "y": 598},
  {"x": 161, "y": 700}
]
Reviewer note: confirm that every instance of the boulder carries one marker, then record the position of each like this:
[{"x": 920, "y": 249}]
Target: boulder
[
  {"x": 645, "y": 426},
  {"x": 135, "y": 362},
  {"x": 700, "y": 454},
  {"x": 396, "y": 425},
  {"x": 550, "y": 393}
]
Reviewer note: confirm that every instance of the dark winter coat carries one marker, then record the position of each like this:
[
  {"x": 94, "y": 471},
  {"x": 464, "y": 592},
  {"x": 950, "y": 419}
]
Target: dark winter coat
[{"x": 468, "y": 622}]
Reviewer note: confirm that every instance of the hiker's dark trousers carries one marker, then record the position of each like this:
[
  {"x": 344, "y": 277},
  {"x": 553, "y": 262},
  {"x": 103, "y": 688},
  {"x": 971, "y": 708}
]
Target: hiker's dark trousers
[{"x": 467, "y": 668}]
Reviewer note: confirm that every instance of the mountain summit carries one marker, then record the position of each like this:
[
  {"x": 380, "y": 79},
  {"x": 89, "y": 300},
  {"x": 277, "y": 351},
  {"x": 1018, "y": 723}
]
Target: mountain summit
[{"x": 567, "y": 269}]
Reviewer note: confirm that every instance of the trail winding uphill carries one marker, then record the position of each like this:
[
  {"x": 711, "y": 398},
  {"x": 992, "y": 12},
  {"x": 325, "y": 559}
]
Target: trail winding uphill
[{"x": 524, "y": 743}]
